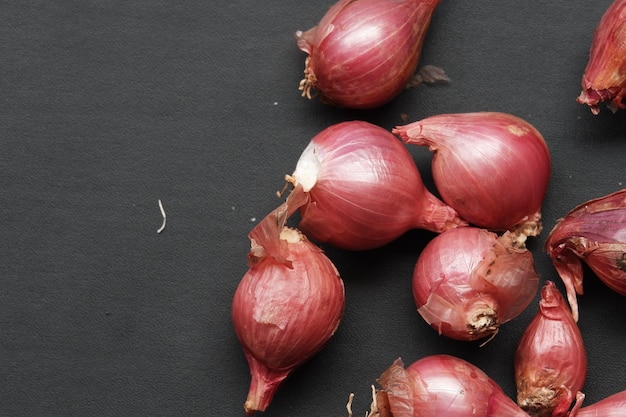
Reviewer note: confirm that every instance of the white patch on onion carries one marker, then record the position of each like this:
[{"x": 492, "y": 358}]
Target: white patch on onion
[{"x": 307, "y": 168}]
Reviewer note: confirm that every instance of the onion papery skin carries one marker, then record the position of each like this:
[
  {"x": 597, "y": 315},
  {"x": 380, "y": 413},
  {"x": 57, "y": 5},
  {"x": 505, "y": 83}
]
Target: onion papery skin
[
  {"x": 441, "y": 385},
  {"x": 595, "y": 233},
  {"x": 611, "y": 406},
  {"x": 286, "y": 307},
  {"x": 364, "y": 189},
  {"x": 604, "y": 79},
  {"x": 467, "y": 282},
  {"x": 493, "y": 168},
  {"x": 550, "y": 360},
  {"x": 363, "y": 53}
]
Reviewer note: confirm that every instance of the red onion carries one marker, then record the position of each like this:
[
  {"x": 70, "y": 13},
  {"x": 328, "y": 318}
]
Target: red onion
[
  {"x": 604, "y": 79},
  {"x": 364, "y": 52},
  {"x": 286, "y": 307},
  {"x": 364, "y": 189},
  {"x": 593, "y": 232},
  {"x": 492, "y": 168},
  {"x": 611, "y": 406},
  {"x": 550, "y": 360},
  {"x": 440, "y": 385},
  {"x": 468, "y": 281}
]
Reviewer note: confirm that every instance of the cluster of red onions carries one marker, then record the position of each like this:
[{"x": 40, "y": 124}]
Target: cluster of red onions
[
  {"x": 356, "y": 187},
  {"x": 550, "y": 369},
  {"x": 551, "y": 361},
  {"x": 363, "y": 53},
  {"x": 604, "y": 79},
  {"x": 493, "y": 169}
]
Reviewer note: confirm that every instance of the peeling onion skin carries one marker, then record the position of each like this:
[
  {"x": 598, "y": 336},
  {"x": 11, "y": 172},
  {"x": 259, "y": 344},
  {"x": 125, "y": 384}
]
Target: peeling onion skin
[
  {"x": 550, "y": 360},
  {"x": 441, "y": 385},
  {"x": 595, "y": 233},
  {"x": 286, "y": 307},
  {"x": 467, "y": 282},
  {"x": 364, "y": 189},
  {"x": 611, "y": 406},
  {"x": 363, "y": 53},
  {"x": 604, "y": 79},
  {"x": 492, "y": 168}
]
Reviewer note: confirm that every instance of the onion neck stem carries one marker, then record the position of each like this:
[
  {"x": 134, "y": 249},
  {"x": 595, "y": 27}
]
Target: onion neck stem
[{"x": 263, "y": 386}]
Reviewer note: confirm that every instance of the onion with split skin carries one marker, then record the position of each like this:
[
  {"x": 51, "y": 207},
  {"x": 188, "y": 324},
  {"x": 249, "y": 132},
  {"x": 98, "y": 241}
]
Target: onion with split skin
[
  {"x": 363, "y": 53},
  {"x": 468, "y": 281},
  {"x": 287, "y": 305},
  {"x": 363, "y": 189}
]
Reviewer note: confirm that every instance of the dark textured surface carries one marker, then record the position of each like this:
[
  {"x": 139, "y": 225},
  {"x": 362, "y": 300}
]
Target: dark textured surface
[{"x": 108, "y": 106}]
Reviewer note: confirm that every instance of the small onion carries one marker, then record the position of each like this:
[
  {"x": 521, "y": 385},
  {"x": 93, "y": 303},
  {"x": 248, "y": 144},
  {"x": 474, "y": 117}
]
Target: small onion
[
  {"x": 468, "y": 281},
  {"x": 492, "y": 168},
  {"x": 604, "y": 79},
  {"x": 593, "y": 232},
  {"x": 364, "y": 189},
  {"x": 286, "y": 307},
  {"x": 440, "y": 385},
  {"x": 550, "y": 360},
  {"x": 364, "y": 52}
]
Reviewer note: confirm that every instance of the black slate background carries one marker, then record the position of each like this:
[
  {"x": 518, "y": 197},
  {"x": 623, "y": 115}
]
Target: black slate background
[{"x": 108, "y": 106}]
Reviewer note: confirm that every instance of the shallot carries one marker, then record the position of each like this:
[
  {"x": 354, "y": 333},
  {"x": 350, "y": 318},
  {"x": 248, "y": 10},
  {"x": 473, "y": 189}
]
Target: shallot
[
  {"x": 550, "y": 360},
  {"x": 492, "y": 168},
  {"x": 468, "y": 281},
  {"x": 363, "y": 189},
  {"x": 593, "y": 232},
  {"x": 287, "y": 305},
  {"x": 604, "y": 79},
  {"x": 364, "y": 52},
  {"x": 440, "y": 385}
]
